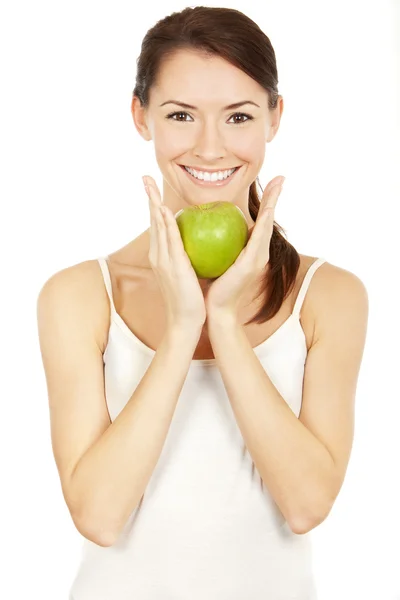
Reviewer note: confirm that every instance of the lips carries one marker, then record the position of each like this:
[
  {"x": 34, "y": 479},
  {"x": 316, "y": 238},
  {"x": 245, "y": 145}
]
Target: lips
[
  {"x": 202, "y": 183},
  {"x": 184, "y": 167},
  {"x": 207, "y": 170}
]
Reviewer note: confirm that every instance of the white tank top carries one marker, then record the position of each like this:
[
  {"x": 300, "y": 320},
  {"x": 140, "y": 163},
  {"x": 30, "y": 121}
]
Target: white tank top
[{"x": 206, "y": 528}]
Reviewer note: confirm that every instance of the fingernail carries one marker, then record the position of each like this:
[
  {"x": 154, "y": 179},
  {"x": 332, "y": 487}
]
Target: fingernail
[{"x": 145, "y": 184}]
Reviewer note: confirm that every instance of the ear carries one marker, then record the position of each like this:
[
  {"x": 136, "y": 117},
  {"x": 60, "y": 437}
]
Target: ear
[
  {"x": 139, "y": 115},
  {"x": 275, "y": 120}
]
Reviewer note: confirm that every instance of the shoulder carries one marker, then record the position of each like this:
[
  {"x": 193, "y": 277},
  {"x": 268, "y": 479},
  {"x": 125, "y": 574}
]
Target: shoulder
[
  {"x": 329, "y": 279},
  {"x": 339, "y": 296},
  {"x": 80, "y": 289},
  {"x": 83, "y": 277}
]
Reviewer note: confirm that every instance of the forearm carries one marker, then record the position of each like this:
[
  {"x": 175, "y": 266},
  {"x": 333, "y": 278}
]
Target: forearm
[
  {"x": 295, "y": 466},
  {"x": 112, "y": 476}
]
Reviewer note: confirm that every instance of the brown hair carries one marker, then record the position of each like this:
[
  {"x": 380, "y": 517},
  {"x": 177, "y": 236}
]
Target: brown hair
[{"x": 233, "y": 36}]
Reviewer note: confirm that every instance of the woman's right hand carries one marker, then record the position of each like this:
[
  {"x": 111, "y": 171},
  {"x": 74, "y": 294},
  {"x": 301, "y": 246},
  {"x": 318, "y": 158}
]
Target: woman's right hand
[{"x": 171, "y": 265}]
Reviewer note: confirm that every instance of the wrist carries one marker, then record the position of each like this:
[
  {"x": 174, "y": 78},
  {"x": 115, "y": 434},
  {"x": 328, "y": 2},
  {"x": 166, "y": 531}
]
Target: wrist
[
  {"x": 184, "y": 330},
  {"x": 222, "y": 318}
]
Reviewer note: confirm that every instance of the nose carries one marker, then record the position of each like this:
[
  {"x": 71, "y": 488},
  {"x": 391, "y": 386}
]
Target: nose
[{"x": 209, "y": 145}]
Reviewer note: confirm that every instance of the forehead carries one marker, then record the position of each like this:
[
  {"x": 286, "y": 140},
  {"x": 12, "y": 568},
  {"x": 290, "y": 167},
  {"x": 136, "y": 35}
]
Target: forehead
[{"x": 197, "y": 78}]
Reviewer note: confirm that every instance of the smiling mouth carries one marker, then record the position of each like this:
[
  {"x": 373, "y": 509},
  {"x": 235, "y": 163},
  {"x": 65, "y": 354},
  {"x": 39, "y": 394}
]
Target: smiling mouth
[{"x": 209, "y": 180}]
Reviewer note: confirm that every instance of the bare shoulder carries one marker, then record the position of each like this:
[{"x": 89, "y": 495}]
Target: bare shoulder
[
  {"x": 338, "y": 294},
  {"x": 329, "y": 277},
  {"x": 83, "y": 289}
]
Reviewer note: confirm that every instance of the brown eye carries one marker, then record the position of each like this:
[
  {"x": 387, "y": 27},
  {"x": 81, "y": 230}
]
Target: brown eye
[
  {"x": 171, "y": 115},
  {"x": 248, "y": 117}
]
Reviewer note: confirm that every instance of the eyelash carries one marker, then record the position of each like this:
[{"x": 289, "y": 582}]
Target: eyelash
[{"x": 180, "y": 112}]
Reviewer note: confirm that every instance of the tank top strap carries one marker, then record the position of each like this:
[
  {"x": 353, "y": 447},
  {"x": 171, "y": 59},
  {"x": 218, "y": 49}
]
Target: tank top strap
[
  {"x": 304, "y": 286},
  {"x": 102, "y": 260}
]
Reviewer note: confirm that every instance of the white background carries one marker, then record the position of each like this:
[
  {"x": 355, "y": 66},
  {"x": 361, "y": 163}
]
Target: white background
[{"x": 71, "y": 190}]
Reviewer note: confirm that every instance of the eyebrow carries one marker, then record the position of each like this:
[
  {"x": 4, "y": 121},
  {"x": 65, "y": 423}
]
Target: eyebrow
[{"x": 231, "y": 106}]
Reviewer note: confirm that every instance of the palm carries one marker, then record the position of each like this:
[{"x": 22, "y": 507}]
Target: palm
[
  {"x": 224, "y": 293},
  {"x": 229, "y": 285}
]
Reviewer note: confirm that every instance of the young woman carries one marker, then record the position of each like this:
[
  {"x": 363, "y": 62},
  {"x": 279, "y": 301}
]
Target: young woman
[{"x": 202, "y": 428}]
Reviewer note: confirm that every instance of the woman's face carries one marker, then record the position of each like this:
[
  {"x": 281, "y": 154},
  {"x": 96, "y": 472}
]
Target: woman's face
[{"x": 209, "y": 136}]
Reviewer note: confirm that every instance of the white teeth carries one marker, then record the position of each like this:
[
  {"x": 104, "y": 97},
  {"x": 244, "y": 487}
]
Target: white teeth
[{"x": 203, "y": 176}]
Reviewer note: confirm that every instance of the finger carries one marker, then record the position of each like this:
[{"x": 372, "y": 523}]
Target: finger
[
  {"x": 278, "y": 180},
  {"x": 167, "y": 225},
  {"x": 264, "y": 220},
  {"x": 275, "y": 182},
  {"x": 154, "y": 191},
  {"x": 177, "y": 249},
  {"x": 163, "y": 250},
  {"x": 153, "y": 250},
  {"x": 270, "y": 200},
  {"x": 162, "y": 235},
  {"x": 258, "y": 246},
  {"x": 157, "y": 233}
]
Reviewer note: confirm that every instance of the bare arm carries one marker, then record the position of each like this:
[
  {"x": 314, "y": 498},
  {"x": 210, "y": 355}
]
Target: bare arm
[
  {"x": 110, "y": 479},
  {"x": 104, "y": 467}
]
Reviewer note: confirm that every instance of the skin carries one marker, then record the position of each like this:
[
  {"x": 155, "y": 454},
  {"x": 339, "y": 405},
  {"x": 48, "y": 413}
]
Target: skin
[{"x": 208, "y": 137}]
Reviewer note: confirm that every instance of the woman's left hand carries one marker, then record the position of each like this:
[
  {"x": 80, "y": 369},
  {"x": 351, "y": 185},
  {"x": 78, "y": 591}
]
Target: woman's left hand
[{"x": 223, "y": 296}]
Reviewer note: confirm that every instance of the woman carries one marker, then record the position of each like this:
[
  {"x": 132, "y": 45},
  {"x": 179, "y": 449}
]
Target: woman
[{"x": 202, "y": 428}]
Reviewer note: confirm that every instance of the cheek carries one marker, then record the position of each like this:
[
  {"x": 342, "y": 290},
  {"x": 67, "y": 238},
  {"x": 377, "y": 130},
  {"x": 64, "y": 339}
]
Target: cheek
[
  {"x": 170, "y": 145},
  {"x": 250, "y": 148}
]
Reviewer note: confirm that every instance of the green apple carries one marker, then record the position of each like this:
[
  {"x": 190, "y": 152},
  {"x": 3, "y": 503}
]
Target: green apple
[{"x": 213, "y": 235}]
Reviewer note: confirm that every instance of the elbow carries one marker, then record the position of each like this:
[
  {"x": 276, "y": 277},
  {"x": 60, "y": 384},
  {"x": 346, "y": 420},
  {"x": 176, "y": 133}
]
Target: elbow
[
  {"x": 303, "y": 521},
  {"x": 89, "y": 521},
  {"x": 303, "y": 525},
  {"x": 300, "y": 527},
  {"x": 98, "y": 534}
]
